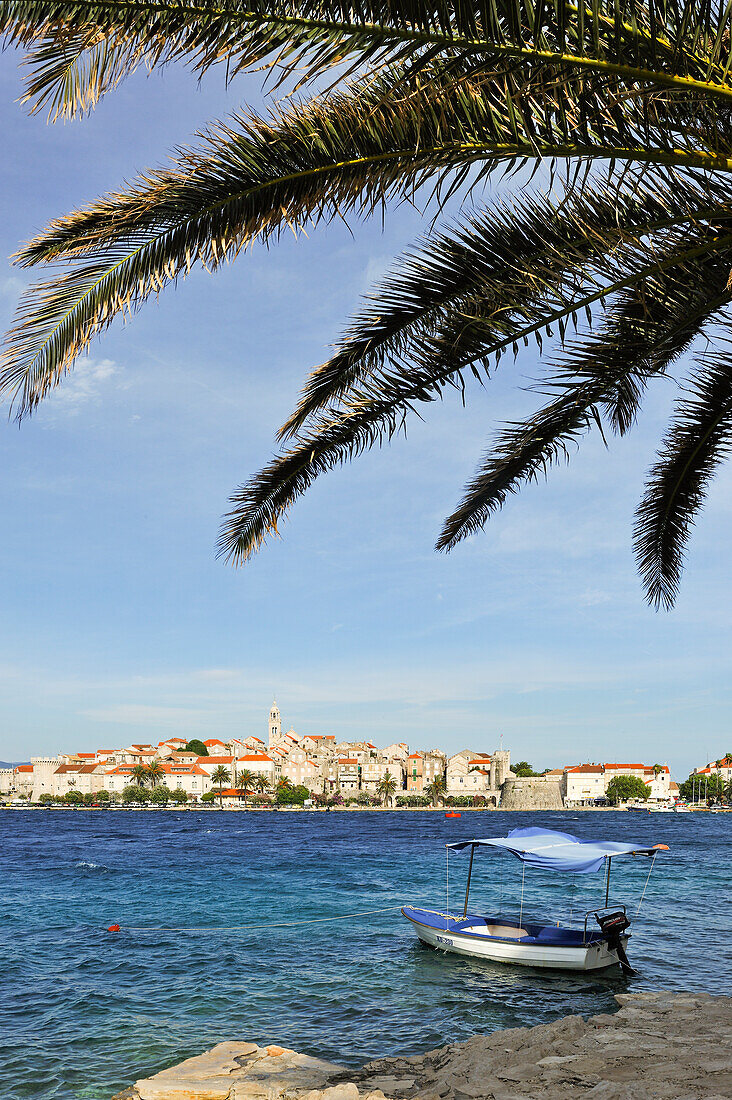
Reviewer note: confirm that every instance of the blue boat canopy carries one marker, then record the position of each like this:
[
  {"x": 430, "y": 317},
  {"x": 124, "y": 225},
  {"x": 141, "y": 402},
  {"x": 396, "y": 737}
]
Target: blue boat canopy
[{"x": 559, "y": 851}]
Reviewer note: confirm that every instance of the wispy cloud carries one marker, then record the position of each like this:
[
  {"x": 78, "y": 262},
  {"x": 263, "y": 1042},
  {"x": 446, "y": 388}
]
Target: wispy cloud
[{"x": 85, "y": 383}]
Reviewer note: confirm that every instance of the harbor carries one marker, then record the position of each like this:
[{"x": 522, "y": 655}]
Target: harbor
[{"x": 183, "y": 974}]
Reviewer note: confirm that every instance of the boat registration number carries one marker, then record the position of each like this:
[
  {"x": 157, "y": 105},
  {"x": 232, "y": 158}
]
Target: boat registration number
[{"x": 443, "y": 939}]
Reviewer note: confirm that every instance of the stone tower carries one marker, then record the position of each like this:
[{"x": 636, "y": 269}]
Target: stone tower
[
  {"x": 502, "y": 760},
  {"x": 275, "y": 725}
]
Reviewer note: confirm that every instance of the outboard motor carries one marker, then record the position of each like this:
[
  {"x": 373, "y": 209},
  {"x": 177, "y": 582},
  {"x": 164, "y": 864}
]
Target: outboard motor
[{"x": 612, "y": 926}]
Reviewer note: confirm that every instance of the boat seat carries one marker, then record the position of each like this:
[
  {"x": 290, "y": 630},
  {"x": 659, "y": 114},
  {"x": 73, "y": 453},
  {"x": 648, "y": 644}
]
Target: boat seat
[{"x": 505, "y": 931}]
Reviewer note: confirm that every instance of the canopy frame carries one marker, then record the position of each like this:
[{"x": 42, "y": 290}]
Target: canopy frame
[{"x": 525, "y": 854}]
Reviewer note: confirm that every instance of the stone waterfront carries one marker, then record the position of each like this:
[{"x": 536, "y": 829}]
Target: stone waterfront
[{"x": 658, "y": 1046}]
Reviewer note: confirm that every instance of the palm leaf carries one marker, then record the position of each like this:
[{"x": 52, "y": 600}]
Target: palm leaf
[
  {"x": 340, "y": 153},
  {"x": 643, "y": 334},
  {"x": 697, "y": 441},
  {"x": 509, "y": 253},
  {"x": 80, "y": 49}
]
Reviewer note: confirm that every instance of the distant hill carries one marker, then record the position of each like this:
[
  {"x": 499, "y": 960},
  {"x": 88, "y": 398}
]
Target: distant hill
[{"x": 12, "y": 763}]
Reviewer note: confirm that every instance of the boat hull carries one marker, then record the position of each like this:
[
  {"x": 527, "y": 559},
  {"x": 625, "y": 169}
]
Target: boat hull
[{"x": 592, "y": 956}]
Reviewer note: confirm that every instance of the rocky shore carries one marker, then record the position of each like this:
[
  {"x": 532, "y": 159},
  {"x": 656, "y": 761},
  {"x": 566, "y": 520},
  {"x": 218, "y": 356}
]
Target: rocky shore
[{"x": 658, "y": 1046}]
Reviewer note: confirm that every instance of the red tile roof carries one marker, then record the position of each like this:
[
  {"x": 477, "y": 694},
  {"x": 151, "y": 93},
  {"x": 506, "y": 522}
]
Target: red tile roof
[
  {"x": 85, "y": 755},
  {"x": 594, "y": 769},
  {"x": 249, "y": 756},
  {"x": 24, "y": 768}
]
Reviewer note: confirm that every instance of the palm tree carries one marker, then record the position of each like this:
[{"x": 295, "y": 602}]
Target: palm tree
[
  {"x": 140, "y": 773},
  {"x": 155, "y": 771},
  {"x": 221, "y": 775},
  {"x": 436, "y": 790},
  {"x": 387, "y": 787},
  {"x": 284, "y": 784},
  {"x": 245, "y": 780},
  {"x": 261, "y": 784},
  {"x": 620, "y": 251}
]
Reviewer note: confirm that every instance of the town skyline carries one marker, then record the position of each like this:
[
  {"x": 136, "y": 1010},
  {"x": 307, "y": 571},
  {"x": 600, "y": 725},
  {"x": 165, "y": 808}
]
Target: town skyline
[
  {"x": 447, "y": 741},
  {"x": 325, "y": 766}
]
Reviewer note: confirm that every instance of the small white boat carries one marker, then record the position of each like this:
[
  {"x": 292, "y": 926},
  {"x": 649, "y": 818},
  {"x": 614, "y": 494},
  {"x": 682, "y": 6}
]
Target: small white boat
[{"x": 600, "y": 940}]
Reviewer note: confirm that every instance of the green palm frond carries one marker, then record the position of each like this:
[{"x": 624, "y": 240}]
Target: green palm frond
[
  {"x": 341, "y": 433},
  {"x": 77, "y": 50},
  {"x": 640, "y": 338},
  {"x": 341, "y": 153},
  {"x": 510, "y": 253},
  {"x": 699, "y": 438}
]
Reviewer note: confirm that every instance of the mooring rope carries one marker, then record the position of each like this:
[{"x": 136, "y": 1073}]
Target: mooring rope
[{"x": 250, "y": 927}]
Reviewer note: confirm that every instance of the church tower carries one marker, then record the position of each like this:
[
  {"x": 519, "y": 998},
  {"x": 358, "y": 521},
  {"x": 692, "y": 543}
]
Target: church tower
[{"x": 275, "y": 726}]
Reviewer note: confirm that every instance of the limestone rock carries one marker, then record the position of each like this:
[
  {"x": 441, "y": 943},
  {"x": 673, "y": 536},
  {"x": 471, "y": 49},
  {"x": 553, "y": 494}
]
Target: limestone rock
[{"x": 658, "y": 1046}]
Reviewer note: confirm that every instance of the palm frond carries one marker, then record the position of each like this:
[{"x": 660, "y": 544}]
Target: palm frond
[
  {"x": 339, "y": 434},
  {"x": 506, "y": 254},
  {"x": 698, "y": 439},
  {"x": 77, "y": 50},
  {"x": 341, "y": 153},
  {"x": 641, "y": 336}
]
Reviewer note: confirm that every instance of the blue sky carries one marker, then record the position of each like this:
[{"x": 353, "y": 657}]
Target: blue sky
[{"x": 119, "y": 625}]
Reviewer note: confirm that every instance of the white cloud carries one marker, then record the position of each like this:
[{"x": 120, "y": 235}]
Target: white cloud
[{"x": 82, "y": 384}]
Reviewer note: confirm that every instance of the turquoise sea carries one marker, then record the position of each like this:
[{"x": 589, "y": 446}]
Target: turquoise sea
[{"x": 83, "y": 1012}]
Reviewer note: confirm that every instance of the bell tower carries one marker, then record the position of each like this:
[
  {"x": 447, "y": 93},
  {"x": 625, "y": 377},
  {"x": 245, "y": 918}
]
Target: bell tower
[{"x": 275, "y": 725}]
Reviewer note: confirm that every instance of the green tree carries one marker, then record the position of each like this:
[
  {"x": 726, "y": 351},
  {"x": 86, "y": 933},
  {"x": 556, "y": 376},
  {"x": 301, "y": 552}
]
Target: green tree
[
  {"x": 178, "y": 795},
  {"x": 621, "y": 788},
  {"x": 160, "y": 795},
  {"x": 699, "y": 788},
  {"x": 245, "y": 782},
  {"x": 47, "y": 799},
  {"x": 102, "y": 796},
  {"x": 632, "y": 244},
  {"x": 197, "y": 747},
  {"x": 155, "y": 772},
  {"x": 140, "y": 774},
  {"x": 134, "y": 793},
  {"x": 221, "y": 776},
  {"x": 387, "y": 787},
  {"x": 261, "y": 784},
  {"x": 291, "y": 795},
  {"x": 209, "y": 796},
  {"x": 74, "y": 798},
  {"x": 89, "y": 798},
  {"x": 523, "y": 769},
  {"x": 436, "y": 790}
]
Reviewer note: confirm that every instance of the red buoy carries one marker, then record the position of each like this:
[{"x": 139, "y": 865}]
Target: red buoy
[{"x": 113, "y": 928}]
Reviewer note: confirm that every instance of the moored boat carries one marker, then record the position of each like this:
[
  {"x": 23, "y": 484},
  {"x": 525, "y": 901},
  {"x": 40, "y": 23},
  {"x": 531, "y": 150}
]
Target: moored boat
[{"x": 597, "y": 943}]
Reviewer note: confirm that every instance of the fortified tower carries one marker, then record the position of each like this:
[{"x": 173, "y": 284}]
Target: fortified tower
[
  {"x": 275, "y": 726},
  {"x": 502, "y": 760}
]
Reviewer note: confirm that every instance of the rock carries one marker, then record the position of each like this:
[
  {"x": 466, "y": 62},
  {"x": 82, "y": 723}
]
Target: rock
[{"x": 658, "y": 1046}]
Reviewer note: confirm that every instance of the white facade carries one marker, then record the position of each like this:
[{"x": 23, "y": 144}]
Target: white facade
[
  {"x": 374, "y": 771},
  {"x": 349, "y": 776}
]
